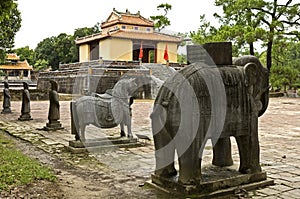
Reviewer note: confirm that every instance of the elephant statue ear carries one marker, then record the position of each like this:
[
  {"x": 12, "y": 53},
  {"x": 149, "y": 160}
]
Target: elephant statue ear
[{"x": 250, "y": 74}]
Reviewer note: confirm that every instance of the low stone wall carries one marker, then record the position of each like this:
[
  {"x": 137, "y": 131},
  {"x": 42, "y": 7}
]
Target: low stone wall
[
  {"x": 93, "y": 63},
  {"x": 94, "y": 79},
  {"x": 16, "y": 95}
]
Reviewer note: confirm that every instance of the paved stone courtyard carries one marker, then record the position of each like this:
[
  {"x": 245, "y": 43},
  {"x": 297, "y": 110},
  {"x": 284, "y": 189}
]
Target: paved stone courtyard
[{"x": 279, "y": 134}]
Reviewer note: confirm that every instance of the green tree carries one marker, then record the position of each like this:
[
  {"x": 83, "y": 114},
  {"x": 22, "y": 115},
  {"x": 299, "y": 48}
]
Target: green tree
[
  {"x": 285, "y": 69},
  {"x": 10, "y": 23},
  {"x": 5, "y": 7},
  {"x": 161, "y": 21},
  {"x": 62, "y": 48},
  {"x": 40, "y": 64},
  {"x": 205, "y": 33},
  {"x": 46, "y": 50},
  {"x": 262, "y": 19},
  {"x": 26, "y": 53},
  {"x": 82, "y": 32},
  {"x": 63, "y": 45},
  {"x": 285, "y": 76}
]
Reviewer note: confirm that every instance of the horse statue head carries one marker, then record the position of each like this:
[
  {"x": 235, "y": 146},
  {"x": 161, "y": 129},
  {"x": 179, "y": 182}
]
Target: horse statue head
[{"x": 125, "y": 88}]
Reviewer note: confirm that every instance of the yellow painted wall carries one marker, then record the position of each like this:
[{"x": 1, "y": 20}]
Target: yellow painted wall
[
  {"x": 84, "y": 53},
  {"x": 116, "y": 49},
  {"x": 172, "y": 51}
]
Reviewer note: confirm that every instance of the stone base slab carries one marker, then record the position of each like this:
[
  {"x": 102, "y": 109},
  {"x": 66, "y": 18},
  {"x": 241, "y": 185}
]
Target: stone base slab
[
  {"x": 25, "y": 118},
  {"x": 6, "y": 111},
  {"x": 102, "y": 144},
  {"x": 53, "y": 126},
  {"x": 216, "y": 182}
]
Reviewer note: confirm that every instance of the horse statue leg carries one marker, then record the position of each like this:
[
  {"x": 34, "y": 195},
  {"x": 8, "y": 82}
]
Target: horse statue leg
[
  {"x": 129, "y": 130},
  {"x": 122, "y": 129},
  {"x": 74, "y": 121},
  {"x": 82, "y": 132},
  {"x": 130, "y": 118}
]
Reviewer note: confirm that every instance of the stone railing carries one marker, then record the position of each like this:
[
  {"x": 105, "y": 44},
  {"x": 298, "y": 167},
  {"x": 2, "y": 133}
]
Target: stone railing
[
  {"x": 99, "y": 63},
  {"x": 93, "y": 79}
]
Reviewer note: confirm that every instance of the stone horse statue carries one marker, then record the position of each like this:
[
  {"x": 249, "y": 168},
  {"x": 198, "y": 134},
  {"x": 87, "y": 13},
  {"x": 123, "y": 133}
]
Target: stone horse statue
[{"x": 104, "y": 110}]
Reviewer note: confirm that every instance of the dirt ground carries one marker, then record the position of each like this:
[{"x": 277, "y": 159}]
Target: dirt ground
[{"x": 89, "y": 179}]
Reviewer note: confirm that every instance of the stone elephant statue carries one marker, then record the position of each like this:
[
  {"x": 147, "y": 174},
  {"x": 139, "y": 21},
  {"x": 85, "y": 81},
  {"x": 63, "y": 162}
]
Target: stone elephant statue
[{"x": 203, "y": 102}]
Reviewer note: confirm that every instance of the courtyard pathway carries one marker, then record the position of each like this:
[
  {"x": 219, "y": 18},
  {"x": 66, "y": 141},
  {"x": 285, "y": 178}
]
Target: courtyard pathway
[{"x": 279, "y": 135}]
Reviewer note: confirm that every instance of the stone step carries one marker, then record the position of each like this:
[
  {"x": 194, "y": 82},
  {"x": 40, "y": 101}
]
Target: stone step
[
  {"x": 102, "y": 149},
  {"x": 216, "y": 182},
  {"x": 102, "y": 142}
]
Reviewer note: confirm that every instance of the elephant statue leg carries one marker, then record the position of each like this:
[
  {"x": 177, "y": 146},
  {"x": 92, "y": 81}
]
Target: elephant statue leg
[
  {"x": 222, "y": 153},
  {"x": 164, "y": 147},
  {"x": 243, "y": 146},
  {"x": 249, "y": 154},
  {"x": 190, "y": 165},
  {"x": 164, "y": 155}
]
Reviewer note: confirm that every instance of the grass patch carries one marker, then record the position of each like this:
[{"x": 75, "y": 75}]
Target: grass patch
[{"x": 18, "y": 169}]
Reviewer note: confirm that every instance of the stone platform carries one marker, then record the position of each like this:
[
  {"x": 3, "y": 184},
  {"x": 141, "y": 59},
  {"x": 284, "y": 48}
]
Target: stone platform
[
  {"x": 102, "y": 144},
  {"x": 216, "y": 182}
]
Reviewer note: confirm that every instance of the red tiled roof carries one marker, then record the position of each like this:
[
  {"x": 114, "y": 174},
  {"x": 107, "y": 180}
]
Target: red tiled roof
[
  {"x": 127, "y": 18},
  {"x": 90, "y": 38},
  {"x": 21, "y": 65},
  {"x": 154, "y": 36},
  {"x": 140, "y": 21},
  {"x": 12, "y": 56}
]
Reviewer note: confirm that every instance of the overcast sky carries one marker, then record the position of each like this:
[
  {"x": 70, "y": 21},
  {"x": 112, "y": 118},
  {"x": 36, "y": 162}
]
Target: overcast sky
[{"x": 46, "y": 18}]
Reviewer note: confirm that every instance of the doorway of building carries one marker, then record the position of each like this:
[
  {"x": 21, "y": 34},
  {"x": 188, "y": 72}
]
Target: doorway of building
[{"x": 149, "y": 51}]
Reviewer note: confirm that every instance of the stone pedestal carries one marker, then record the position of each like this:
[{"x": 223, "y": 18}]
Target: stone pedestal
[
  {"x": 25, "y": 117},
  {"x": 6, "y": 111},
  {"x": 220, "y": 52},
  {"x": 53, "y": 126},
  {"x": 216, "y": 53},
  {"x": 102, "y": 144},
  {"x": 216, "y": 182}
]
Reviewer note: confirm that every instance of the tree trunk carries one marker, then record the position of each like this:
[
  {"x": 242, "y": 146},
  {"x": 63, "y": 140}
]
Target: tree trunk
[
  {"x": 269, "y": 54},
  {"x": 251, "y": 48}
]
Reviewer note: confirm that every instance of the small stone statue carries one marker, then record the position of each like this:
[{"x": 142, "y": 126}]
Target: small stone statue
[
  {"x": 6, "y": 99},
  {"x": 53, "y": 114},
  {"x": 25, "y": 110}
]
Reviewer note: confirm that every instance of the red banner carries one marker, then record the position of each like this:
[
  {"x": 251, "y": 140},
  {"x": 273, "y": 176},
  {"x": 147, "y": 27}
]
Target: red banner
[
  {"x": 141, "y": 51},
  {"x": 166, "y": 55}
]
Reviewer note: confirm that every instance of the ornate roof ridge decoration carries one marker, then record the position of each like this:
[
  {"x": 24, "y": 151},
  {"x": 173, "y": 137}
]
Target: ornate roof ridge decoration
[
  {"x": 12, "y": 56},
  {"x": 127, "y": 18}
]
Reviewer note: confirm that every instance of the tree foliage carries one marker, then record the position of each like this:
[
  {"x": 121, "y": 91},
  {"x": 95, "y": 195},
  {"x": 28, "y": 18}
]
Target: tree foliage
[
  {"x": 161, "y": 21},
  {"x": 10, "y": 23},
  {"x": 245, "y": 22},
  {"x": 25, "y": 53},
  {"x": 62, "y": 48},
  {"x": 286, "y": 64}
]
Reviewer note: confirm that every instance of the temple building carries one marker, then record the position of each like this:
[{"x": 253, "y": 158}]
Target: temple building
[
  {"x": 16, "y": 69},
  {"x": 129, "y": 37}
]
